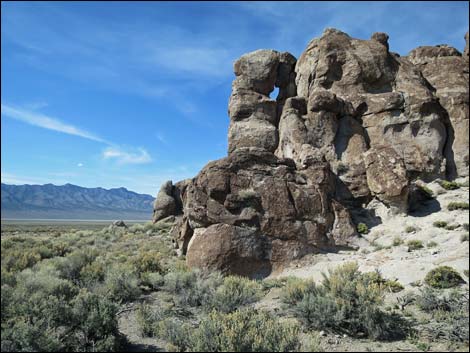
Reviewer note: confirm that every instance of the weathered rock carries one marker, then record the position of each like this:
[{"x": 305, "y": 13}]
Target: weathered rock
[
  {"x": 257, "y": 71},
  {"x": 448, "y": 72},
  {"x": 353, "y": 124},
  {"x": 394, "y": 103},
  {"x": 165, "y": 203},
  {"x": 265, "y": 208},
  {"x": 386, "y": 176},
  {"x": 119, "y": 223}
]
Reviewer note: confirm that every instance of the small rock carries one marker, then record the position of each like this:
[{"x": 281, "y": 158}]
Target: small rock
[
  {"x": 119, "y": 223},
  {"x": 345, "y": 336},
  {"x": 322, "y": 333}
]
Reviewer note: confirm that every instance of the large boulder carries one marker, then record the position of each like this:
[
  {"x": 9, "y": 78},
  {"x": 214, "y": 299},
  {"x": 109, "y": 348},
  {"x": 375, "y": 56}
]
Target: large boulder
[
  {"x": 252, "y": 212},
  {"x": 447, "y": 71},
  {"x": 386, "y": 176}
]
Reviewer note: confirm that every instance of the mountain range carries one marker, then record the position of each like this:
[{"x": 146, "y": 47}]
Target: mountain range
[{"x": 73, "y": 202}]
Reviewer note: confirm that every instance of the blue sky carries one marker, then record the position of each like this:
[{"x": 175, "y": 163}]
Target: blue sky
[{"x": 131, "y": 94}]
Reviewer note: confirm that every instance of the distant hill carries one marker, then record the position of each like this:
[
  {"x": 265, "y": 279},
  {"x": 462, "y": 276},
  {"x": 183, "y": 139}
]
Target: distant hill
[{"x": 73, "y": 202}]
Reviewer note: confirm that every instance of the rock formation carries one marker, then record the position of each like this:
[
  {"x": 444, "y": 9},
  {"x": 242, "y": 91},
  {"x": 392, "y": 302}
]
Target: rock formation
[{"x": 353, "y": 123}]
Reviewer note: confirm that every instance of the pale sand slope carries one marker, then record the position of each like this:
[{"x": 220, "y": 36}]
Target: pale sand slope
[{"x": 396, "y": 262}]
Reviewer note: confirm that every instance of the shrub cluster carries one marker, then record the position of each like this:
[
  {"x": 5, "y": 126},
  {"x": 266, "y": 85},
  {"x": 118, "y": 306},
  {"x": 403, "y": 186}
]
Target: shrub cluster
[
  {"x": 443, "y": 277},
  {"x": 349, "y": 301}
]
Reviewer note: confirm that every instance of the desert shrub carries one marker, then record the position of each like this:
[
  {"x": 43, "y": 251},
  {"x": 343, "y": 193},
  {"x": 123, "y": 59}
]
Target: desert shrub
[
  {"x": 362, "y": 228},
  {"x": 147, "y": 261},
  {"x": 235, "y": 292},
  {"x": 270, "y": 283},
  {"x": 175, "y": 332},
  {"x": 452, "y": 206},
  {"x": 350, "y": 302},
  {"x": 464, "y": 237},
  {"x": 193, "y": 288},
  {"x": 431, "y": 244},
  {"x": 311, "y": 343},
  {"x": 452, "y": 226},
  {"x": 25, "y": 336},
  {"x": 244, "y": 331},
  {"x": 154, "y": 280},
  {"x": 440, "y": 224},
  {"x": 147, "y": 319},
  {"x": 95, "y": 323},
  {"x": 48, "y": 313},
  {"x": 175, "y": 281},
  {"x": 449, "y": 314},
  {"x": 410, "y": 229},
  {"x": 397, "y": 241},
  {"x": 376, "y": 278},
  {"x": 92, "y": 273},
  {"x": 8, "y": 278},
  {"x": 161, "y": 226},
  {"x": 466, "y": 227},
  {"x": 19, "y": 260},
  {"x": 449, "y": 185},
  {"x": 70, "y": 266},
  {"x": 414, "y": 245},
  {"x": 121, "y": 283},
  {"x": 443, "y": 277},
  {"x": 295, "y": 289}
]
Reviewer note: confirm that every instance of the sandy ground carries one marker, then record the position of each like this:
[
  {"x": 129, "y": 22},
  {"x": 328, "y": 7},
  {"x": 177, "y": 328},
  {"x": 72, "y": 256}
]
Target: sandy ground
[{"x": 396, "y": 262}]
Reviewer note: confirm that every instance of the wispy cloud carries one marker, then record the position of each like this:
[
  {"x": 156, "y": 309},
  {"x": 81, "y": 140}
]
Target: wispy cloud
[
  {"x": 47, "y": 122},
  {"x": 9, "y": 178},
  {"x": 124, "y": 157}
]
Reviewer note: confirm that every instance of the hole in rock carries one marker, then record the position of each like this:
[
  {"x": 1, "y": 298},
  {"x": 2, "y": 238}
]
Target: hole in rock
[{"x": 274, "y": 93}]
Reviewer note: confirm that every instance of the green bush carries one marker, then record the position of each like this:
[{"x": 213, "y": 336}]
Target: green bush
[
  {"x": 95, "y": 323},
  {"x": 70, "y": 266},
  {"x": 154, "y": 280},
  {"x": 449, "y": 314},
  {"x": 464, "y": 237},
  {"x": 147, "y": 261},
  {"x": 92, "y": 273},
  {"x": 397, "y": 241},
  {"x": 452, "y": 206},
  {"x": 147, "y": 320},
  {"x": 295, "y": 289},
  {"x": 121, "y": 283},
  {"x": 431, "y": 244},
  {"x": 410, "y": 229},
  {"x": 452, "y": 226},
  {"x": 414, "y": 245},
  {"x": 440, "y": 224},
  {"x": 234, "y": 293},
  {"x": 178, "y": 334},
  {"x": 312, "y": 343},
  {"x": 449, "y": 185},
  {"x": 362, "y": 228},
  {"x": 193, "y": 288},
  {"x": 443, "y": 277},
  {"x": 349, "y": 302},
  {"x": 244, "y": 331}
]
